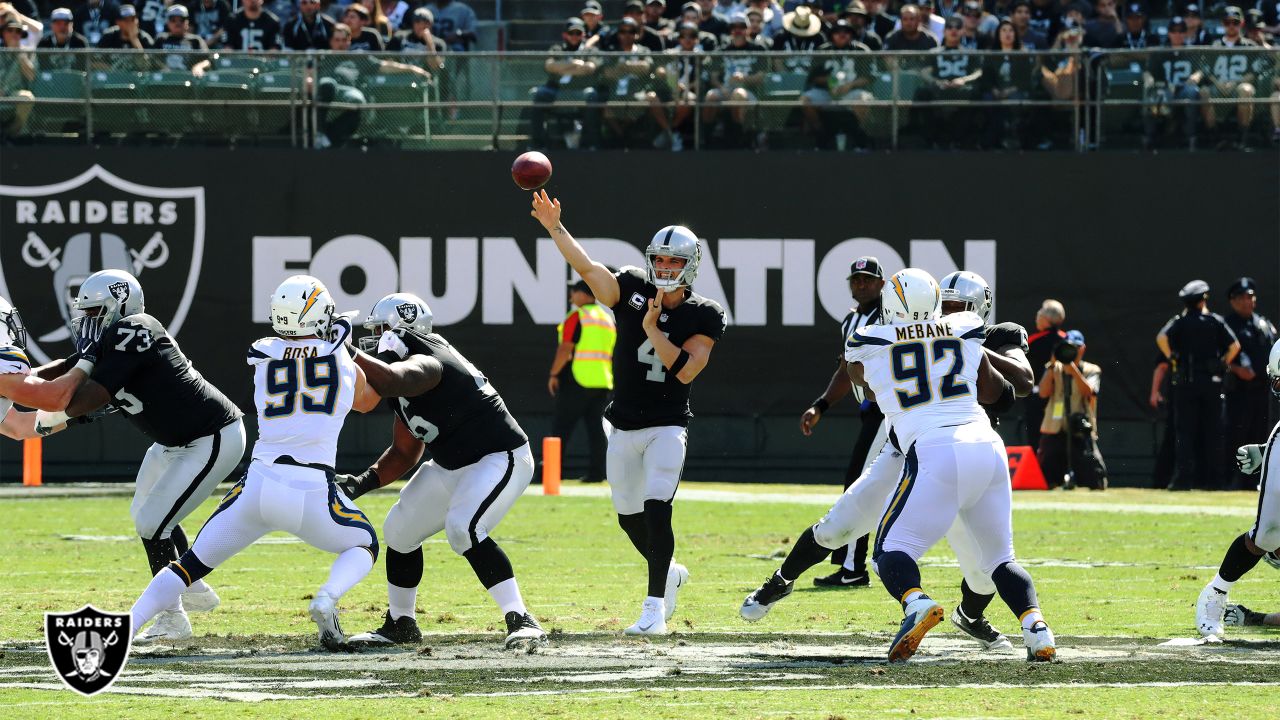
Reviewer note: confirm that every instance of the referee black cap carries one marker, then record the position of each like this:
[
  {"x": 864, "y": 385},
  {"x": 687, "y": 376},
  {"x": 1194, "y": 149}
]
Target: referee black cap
[
  {"x": 866, "y": 265},
  {"x": 1242, "y": 286}
]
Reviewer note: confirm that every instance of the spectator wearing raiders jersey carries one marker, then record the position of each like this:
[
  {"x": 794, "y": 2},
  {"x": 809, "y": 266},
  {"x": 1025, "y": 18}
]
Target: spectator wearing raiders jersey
[
  {"x": 1172, "y": 76},
  {"x": 653, "y": 19},
  {"x": 197, "y": 434},
  {"x": 1197, "y": 33},
  {"x": 866, "y": 280},
  {"x": 802, "y": 35},
  {"x": 363, "y": 37},
  {"x": 951, "y": 76},
  {"x": 665, "y": 336},
  {"x": 633, "y": 91},
  {"x": 126, "y": 35},
  {"x": 857, "y": 16},
  {"x": 177, "y": 37},
  {"x": 735, "y": 75},
  {"x": 342, "y": 74},
  {"x": 310, "y": 29},
  {"x": 644, "y": 36},
  {"x": 455, "y": 24},
  {"x": 1233, "y": 75},
  {"x": 253, "y": 29},
  {"x": 209, "y": 20},
  {"x": 592, "y": 16},
  {"x": 570, "y": 69},
  {"x": 687, "y": 70},
  {"x": 692, "y": 14},
  {"x": 62, "y": 35},
  {"x": 835, "y": 96},
  {"x": 94, "y": 18},
  {"x": 1008, "y": 73}
]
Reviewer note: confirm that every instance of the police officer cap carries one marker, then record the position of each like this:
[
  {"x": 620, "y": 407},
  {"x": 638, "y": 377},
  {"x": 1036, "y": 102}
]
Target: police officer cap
[
  {"x": 1241, "y": 286},
  {"x": 1194, "y": 289}
]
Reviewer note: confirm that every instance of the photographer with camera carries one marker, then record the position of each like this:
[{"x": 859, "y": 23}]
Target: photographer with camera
[{"x": 1068, "y": 451}]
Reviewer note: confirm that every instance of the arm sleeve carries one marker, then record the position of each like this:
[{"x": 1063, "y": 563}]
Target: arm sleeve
[{"x": 572, "y": 330}]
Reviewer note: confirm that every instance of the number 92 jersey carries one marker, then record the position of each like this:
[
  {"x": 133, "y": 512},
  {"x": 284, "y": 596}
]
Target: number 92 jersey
[
  {"x": 155, "y": 386},
  {"x": 645, "y": 393},
  {"x": 303, "y": 390},
  {"x": 924, "y": 375}
]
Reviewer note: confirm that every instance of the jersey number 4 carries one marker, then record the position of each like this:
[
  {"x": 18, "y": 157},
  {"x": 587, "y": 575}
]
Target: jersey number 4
[
  {"x": 647, "y": 354},
  {"x": 319, "y": 376},
  {"x": 910, "y": 364}
]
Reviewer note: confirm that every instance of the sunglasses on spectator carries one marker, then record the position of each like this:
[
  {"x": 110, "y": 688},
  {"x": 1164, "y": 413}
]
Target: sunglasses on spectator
[
  {"x": 573, "y": 32},
  {"x": 1231, "y": 21},
  {"x": 971, "y": 13},
  {"x": 688, "y": 37},
  {"x": 737, "y": 26}
]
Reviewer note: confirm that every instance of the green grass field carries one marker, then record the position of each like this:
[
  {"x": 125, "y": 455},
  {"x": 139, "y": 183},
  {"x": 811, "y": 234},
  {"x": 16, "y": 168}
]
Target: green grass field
[{"x": 1117, "y": 573}]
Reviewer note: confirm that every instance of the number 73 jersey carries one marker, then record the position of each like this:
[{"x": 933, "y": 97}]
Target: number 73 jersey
[
  {"x": 302, "y": 390},
  {"x": 924, "y": 375}
]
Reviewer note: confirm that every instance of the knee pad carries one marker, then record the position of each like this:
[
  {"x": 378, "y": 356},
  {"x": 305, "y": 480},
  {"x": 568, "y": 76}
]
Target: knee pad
[
  {"x": 829, "y": 536},
  {"x": 459, "y": 534}
]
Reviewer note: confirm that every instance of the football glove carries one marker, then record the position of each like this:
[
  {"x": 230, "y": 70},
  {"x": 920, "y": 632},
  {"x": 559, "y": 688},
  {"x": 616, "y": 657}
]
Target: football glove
[
  {"x": 391, "y": 342},
  {"x": 88, "y": 349},
  {"x": 1249, "y": 459},
  {"x": 94, "y": 416},
  {"x": 353, "y": 486}
]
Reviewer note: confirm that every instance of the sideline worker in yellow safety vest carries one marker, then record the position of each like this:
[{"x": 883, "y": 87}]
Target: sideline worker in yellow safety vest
[{"x": 582, "y": 374}]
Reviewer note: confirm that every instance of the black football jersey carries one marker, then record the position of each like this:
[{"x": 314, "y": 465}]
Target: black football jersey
[
  {"x": 260, "y": 33},
  {"x": 155, "y": 385},
  {"x": 463, "y": 418},
  {"x": 999, "y": 336},
  {"x": 645, "y": 393}
]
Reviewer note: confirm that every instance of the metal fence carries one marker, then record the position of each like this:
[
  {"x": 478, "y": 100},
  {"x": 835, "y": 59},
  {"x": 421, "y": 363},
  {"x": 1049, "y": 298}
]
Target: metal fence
[{"x": 1073, "y": 100}]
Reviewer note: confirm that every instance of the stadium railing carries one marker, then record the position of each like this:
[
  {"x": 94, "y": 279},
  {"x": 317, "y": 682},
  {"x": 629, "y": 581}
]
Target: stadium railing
[{"x": 1099, "y": 99}]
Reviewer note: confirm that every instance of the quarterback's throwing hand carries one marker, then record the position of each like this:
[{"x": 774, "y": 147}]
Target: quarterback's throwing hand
[
  {"x": 545, "y": 210},
  {"x": 1249, "y": 459}
]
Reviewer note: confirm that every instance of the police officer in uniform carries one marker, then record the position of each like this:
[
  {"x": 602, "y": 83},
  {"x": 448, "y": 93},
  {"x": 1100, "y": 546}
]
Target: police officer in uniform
[
  {"x": 1200, "y": 346},
  {"x": 582, "y": 373},
  {"x": 866, "y": 280},
  {"x": 1248, "y": 397}
]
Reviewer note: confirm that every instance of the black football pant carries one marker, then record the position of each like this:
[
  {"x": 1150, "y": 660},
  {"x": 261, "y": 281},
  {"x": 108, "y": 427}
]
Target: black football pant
[
  {"x": 575, "y": 403},
  {"x": 1166, "y": 461},
  {"x": 1248, "y": 423},
  {"x": 871, "y": 420},
  {"x": 1198, "y": 425}
]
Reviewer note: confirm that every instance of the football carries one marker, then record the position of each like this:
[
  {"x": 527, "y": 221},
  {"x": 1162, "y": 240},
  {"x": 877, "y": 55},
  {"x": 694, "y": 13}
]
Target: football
[{"x": 531, "y": 170}]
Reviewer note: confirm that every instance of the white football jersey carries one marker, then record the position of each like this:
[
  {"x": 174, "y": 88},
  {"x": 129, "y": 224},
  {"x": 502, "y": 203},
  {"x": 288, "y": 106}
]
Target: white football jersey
[
  {"x": 302, "y": 391},
  {"x": 924, "y": 375},
  {"x": 12, "y": 361}
]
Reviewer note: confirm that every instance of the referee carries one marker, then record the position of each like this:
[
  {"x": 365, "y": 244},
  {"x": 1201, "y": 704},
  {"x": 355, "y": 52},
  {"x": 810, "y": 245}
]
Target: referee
[{"x": 866, "y": 279}]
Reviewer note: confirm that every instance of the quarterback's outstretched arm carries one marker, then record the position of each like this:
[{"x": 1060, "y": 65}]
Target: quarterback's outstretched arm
[
  {"x": 602, "y": 282},
  {"x": 404, "y": 378},
  {"x": 35, "y": 392}
]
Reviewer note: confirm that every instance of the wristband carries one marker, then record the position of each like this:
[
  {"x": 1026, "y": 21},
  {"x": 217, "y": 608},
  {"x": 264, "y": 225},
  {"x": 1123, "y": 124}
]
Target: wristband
[
  {"x": 821, "y": 405},
  {"x": 85, "y": 366},
  {"x": 681, "y": 360}
]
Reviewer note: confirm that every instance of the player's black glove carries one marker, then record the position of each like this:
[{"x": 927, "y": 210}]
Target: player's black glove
[
  {"x": 92, "y": 417},
  {"x": 356, "y": 485},
  {"x": 88, "y": 349}
]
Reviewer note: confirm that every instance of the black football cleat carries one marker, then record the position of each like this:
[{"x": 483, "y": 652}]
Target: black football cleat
[
  {"x": 844, "y": 577},
  {"x": 401, "y": 631}
]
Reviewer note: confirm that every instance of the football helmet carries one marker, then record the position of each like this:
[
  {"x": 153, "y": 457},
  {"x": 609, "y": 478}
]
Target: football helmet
[
  {"x": 12, "y": 331},
  {"x": 910, "y": 296},
  {"x": 674, "y": 241},
  {"x": 1273, "y": 369},
  {"x": 301, "y": 305},
  {"x": 970, "y": 289},
  {"x": 394, "y": 312},
  {"x": 114, "y": 294}
]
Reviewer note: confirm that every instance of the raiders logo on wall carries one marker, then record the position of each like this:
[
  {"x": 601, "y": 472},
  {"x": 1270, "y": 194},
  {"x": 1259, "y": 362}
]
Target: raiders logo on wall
[
  {"x": 52, "y": 237},
  {"x": 88, "y": 647}
]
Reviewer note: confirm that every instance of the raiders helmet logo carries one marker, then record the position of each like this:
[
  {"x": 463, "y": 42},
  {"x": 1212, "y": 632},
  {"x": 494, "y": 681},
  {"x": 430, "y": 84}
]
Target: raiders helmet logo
[
  {"x": 408, "y": 312},
  {"x": 88, "y": 647},
  {"x": 120, "y": 291}
]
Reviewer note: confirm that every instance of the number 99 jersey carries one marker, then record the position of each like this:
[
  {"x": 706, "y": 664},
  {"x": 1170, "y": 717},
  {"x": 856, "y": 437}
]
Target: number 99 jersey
[
  {"x": 924, "y": 375},
  {"x": 302, "y": 390}
]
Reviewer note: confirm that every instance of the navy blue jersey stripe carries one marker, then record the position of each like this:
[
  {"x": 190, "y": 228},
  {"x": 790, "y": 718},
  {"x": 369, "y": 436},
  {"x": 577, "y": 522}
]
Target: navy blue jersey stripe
[{"x": 978, "y": 333}]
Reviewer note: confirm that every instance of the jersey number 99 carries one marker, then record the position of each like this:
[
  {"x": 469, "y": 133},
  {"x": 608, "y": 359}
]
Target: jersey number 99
[
  {"x": 318, "y": 391},
  {"x": 910, "y": 364}
]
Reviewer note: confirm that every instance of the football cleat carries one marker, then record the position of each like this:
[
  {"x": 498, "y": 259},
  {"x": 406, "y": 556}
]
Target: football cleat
[
  {"x": 677, "y": 576},
  {"x": 1272, "y": 560},
  {"x": 922, "y": 615},
  {"x": 169, "y": 625},
  {"x": 1210, "y": 609},
  {"x": 523, "y": 629},
  {"x": 400, "y": 631},
  {"x": 843, "y": 577},
  {"x": 980, "y": 629},
  {"x": 1040, "y": 643},
  {"x": 653, "y": 619},
  {"x": 200, "y": 601},
  {"x": 1241, "y": 616},
  {"x": 324, "y": 611},
  {"x": 762, "y": 599}
]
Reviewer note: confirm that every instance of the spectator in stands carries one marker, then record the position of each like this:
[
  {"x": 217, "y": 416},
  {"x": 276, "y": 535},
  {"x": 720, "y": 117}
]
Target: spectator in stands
[
  {"x": 1068, "y": 449},
  {"x": 398, "y": 14},
  {"x": 771, "y": 15},
  {"x": 880, "y": 21},
  {"x": 253, "y": 29},
  {"x": 1172, "y": 76},
  {"x": 631, "y": 81},
  {"x": 209, "y": 18},
  {"x": 1233, "y": 76},
  {"x": 802, "y": 32},
  {"x": 284, "y": 10},
  {"x": 363, "y": 37},
  {"x": 909, "y": 36},
  {"x": 733, "y": 77},
  {"x": 973, "y": 35},
  {"x": 376, "y": 21},
  {"x": 17, "y": 73},
  {"x": 25, "y": 15},
  {"x": 755, "y": 26},
  {"x": 653, "y": 19},
  {"x": 455, "y": 24},
  {"x": 1105, "y": 29},
  {"x": 1255, "y": 28},
  {"x": 92, "y": 18},
  {"x": 1063, "y": 78},
  {"x": 688, "y": 73},
  {"x": 1135, "y": 35},
  {"x": 835, "y": 96},
  {"x": 1028, "y": 37},
  {"x": 1046, "y": 19},
  {"x": 570, "y": 68},
  {"x": 419, "y": 39},
  {"x": 930, "y": 22},
  {"x": 310, "y": 29},
  {"x": 952, "y": 75},
  {"x": 646, "y": 37},
  {"x": 62, "y": 36},
  {"x": 1197, "y": 33},
  {"x": 693, "y": 14},
  {"x": 125, "y": 35},
  {"x": 856, "y": 14},
  {"x": 710, "y": 20},
  {"x": 592, "y": 16},
  {"x": 177, "y": 36},
  {"x": 342, "y": 77}
]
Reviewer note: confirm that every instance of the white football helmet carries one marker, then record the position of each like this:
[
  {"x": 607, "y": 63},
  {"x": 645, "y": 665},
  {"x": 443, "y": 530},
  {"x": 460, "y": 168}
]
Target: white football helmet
[
  {"x": 910, "y": 296},
  {"x": 393, "y": 312},
  {"x": 301, "y": 306},
  {"x": 970, "y": 289},
  {"x": 12, "y": 331},
  {"x": 675, "y": 241},
  {"x": 114, "y": 294},
  {"x": 1273, "y": 369}
]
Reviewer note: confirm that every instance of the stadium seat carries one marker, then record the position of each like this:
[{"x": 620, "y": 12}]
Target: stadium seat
[
  {"x": 275, "y": 89},
  {"x": 240, "y": 63},
  {"x": 220, "y": 87},
  {"x": 168, "y": 97},
  {"x": 119, "y": 87},
  {"x": 396, "y": 123},
  {"x": 58, "y": 85}
]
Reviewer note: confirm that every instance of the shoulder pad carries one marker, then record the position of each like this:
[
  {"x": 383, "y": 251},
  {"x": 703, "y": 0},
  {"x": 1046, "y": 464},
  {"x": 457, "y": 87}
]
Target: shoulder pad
[
  {"x": 268, "y": 348},
  {"x": 13, "y": 360}
]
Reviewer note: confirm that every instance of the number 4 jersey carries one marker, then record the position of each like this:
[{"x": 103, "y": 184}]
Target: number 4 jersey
[
  {"x": 302, "y": 390},
  {"x": 645, "y": 394},
  {"x": 155, "y": 386},
  {"x": 924, "y": 375}
]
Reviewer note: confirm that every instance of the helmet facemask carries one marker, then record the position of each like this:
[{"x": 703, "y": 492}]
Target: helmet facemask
[
  {"x": 13, "y": 326},
  {"x": 88, "y": 326},
  {"x": 369, "y": 343}
]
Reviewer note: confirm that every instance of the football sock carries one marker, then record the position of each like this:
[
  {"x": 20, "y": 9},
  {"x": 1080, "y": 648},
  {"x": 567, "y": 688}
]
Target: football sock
[
  {"x": 1015, "y": 588},
  {"x": 507, "y": 595},
  {"x": 899, "y": 573},
  {"x": 162, "y": 593},
  {"x": 489, "y": 563},
  {"x": 637, "y": 531},
  {"x": 805, "y": 554},
  {"x": 404, "y": 569},
  {"x": 160, "y": 552},
  {"x": 973, "y": 604},
  {"x": 1235, "y": 564},
  {"x": 662, "y": 545},
  {"x": 1030, "y": 618},
  {"x": 855, "y": 560},
  {"x": 402, "y": 601},
  {"x": 349, "y": 568}
]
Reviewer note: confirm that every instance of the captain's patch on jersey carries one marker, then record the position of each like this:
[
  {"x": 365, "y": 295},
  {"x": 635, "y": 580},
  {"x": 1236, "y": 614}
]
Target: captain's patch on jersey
[{"x": 636, "y": 301}]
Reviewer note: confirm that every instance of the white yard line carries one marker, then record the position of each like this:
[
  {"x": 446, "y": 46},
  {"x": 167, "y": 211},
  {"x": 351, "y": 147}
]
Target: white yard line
[{"x": 861, "y": 686}]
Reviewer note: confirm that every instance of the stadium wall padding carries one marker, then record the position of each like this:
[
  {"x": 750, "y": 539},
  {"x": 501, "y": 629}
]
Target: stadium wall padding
[{"x": 1113, "y": 236}]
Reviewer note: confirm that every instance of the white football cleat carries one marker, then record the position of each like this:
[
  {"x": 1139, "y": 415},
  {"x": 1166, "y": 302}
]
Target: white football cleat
[
  {"x": 324, "y": 611},
  {"x": 1041, "y": 646},
  {"x": 653, "y": 620},
  {"x": 200, "y": 600},
  {"x": 1210, "y": 609},
  {"x": 169, "y": 625},
  {"x": 677, "y": 576}
]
